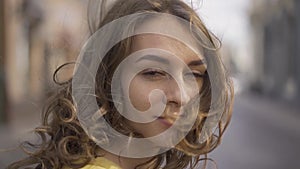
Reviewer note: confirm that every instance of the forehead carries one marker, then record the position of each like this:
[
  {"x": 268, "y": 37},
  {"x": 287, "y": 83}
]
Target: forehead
[
  {"x": 164, "y": 30},
  {"x": 175, "y": 47}
]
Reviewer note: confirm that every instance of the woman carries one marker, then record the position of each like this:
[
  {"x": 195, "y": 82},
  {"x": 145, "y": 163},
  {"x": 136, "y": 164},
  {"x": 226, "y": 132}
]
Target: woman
[{"x": 149, "y": 91}]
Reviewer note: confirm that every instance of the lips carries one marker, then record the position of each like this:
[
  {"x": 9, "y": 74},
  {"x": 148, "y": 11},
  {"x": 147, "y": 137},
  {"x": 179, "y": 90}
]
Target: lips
[{"x": 166, "y": 121}]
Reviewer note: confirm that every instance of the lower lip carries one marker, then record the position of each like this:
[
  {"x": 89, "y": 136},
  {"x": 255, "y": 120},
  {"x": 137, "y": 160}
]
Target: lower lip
[{"x": 165, "y": 122}]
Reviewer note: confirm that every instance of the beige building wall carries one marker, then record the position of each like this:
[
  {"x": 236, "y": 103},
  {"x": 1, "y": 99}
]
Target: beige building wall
[
  {"x": 276, "y": 29},
  {"x": 34, "y": 51}
]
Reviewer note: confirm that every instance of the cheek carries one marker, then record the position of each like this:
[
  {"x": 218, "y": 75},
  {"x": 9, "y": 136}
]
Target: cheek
[
  {"x": 194, "y": 90},
  {"x": 139, "y": 93}
]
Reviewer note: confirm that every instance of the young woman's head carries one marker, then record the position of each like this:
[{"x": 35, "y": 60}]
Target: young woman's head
[{"x": 149, "y": 83}]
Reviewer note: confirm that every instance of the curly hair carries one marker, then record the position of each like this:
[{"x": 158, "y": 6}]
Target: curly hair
[{"x": 66, "y": 144}]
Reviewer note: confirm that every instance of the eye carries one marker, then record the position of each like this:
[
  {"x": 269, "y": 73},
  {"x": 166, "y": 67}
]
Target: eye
[
  {"x": 195, "y": 74},
  {"x": 198, "y": 75},
  {"x": 154, "y": 74}
]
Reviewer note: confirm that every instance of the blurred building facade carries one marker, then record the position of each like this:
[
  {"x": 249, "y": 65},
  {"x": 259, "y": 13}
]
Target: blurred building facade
[
  {"x": 276, "y": 30},
  {"x": 37, "y": 36},
  {"x": 2, "y": 73}
]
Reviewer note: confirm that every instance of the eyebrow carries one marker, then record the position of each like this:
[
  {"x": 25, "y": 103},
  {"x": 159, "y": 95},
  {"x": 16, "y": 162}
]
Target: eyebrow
[
  {"x": 197, "y": 63},
  {"x": 165, "y": 61},
  {"x": 153, "y": 58}
]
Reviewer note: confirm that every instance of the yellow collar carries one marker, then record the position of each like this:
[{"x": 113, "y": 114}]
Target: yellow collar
[{"x": 104, "y": 163}]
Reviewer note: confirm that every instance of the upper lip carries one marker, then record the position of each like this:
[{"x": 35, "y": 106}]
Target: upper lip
[
  {"x": 174, "y": 115},
  {"x": 170, "y": 116}
]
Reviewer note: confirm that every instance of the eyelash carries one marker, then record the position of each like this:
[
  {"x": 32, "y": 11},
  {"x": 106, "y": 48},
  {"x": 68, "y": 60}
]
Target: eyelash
[
  {"x": 156, "y": 74},
  {"x": 199, "y": 75}
]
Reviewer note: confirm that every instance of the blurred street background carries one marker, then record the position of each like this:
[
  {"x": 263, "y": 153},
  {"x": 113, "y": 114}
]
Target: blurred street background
[{"x": 261, "y": 48}]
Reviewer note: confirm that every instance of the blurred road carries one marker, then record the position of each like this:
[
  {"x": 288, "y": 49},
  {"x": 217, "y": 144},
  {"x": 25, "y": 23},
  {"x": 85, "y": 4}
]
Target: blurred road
[{"x": 263, "y": 134}]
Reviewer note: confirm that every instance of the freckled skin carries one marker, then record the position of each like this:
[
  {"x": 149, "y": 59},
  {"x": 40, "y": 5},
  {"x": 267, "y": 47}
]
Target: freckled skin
[{"x": 141, "y": 85}]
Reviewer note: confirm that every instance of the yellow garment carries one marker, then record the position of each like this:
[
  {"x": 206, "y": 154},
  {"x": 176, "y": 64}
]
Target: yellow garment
[{"x": 101, "y": 163}]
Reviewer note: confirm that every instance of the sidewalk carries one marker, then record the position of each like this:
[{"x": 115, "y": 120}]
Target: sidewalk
[
  {"x": 263, "y": 134},
  {"x": 24, "y": 117}
]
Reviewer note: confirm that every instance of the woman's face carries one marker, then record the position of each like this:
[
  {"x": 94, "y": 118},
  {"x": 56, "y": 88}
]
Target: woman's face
[{"x": 160, "y": 63}]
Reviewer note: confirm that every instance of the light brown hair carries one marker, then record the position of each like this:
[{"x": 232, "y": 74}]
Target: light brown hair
[{"x": 64, "y": 142}]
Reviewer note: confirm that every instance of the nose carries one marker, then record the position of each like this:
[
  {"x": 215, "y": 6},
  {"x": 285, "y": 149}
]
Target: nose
[{"x": 176, "y": 93}]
